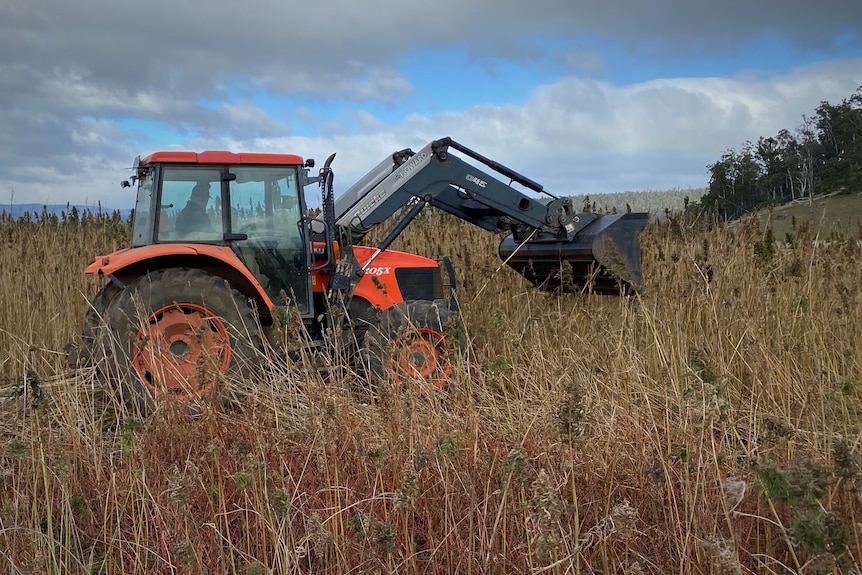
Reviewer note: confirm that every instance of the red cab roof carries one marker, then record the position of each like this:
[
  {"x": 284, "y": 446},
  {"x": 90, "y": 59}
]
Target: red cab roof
[{"x": 220, "y": 157}]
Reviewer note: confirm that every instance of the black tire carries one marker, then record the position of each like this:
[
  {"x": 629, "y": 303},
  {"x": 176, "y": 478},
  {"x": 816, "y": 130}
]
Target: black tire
[
  {"x": 81, "y": 353},
  {"x": 96, "y": 310},
  {"x": 179, "y": 335},
  {"x": 408, "y": 346}
]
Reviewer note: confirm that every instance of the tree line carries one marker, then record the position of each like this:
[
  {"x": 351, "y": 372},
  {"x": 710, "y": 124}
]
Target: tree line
[
  {"x": 652, "y": 201},
  {"x": 822, "y": 155}
]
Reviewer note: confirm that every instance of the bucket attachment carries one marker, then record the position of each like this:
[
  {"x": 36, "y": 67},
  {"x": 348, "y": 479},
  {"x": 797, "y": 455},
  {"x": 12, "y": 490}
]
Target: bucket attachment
[{"x": 604, "y": 257}]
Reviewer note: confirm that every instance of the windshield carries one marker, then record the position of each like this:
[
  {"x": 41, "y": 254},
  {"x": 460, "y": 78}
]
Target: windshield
[
  {"x": 266, "y": 206},
  {"x": 265, "y": 200}
]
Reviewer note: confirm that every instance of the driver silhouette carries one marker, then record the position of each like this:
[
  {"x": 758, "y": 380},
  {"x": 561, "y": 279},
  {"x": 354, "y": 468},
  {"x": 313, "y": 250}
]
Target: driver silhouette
[{"x": 193, "y": 217}]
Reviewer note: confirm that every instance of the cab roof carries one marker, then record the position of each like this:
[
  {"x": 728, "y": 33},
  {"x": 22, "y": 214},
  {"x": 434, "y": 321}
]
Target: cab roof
[{"x": 220, "y": 157}]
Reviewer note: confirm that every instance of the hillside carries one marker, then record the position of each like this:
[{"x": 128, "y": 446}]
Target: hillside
[
  {"x": 652, "y": 201},
  {"x": 824, "y": 215}
]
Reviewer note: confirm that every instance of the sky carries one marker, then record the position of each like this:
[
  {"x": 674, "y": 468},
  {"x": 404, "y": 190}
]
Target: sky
[{"x": 583, "y": 97}]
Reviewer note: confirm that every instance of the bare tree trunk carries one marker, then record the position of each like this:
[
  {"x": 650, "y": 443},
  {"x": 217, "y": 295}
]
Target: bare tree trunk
[
  {"x": 792, "y": 189},
  {"x": 808, "y": 174}
]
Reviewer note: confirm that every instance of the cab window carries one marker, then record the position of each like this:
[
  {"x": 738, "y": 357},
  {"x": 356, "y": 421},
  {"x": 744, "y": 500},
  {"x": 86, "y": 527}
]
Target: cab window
[
  {"x": 191, "y": 205},
  {"x": 265, "y": 206}
]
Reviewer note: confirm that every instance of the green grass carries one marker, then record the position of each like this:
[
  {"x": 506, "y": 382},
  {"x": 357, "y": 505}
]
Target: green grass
[{"x": 824, "y": 216}]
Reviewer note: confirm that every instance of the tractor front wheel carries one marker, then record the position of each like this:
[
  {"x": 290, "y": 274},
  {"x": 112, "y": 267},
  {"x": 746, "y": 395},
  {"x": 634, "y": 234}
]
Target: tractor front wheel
[
  {"x": 179, "y": 335},
  {"x": 407, "y": 346}
]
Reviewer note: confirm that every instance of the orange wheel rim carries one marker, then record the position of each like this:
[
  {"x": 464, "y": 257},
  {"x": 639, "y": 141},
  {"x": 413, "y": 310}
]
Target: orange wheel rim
[
  {"x": 421, "y": 356},
  {"x": 181, "y": 352}
]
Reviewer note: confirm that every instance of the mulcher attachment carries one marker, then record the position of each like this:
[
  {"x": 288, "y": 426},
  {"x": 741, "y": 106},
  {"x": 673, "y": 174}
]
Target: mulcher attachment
[{"x": 603, "y": 257}]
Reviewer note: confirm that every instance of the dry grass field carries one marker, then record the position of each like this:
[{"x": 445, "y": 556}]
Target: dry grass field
[{"x": 711, "y": 425}]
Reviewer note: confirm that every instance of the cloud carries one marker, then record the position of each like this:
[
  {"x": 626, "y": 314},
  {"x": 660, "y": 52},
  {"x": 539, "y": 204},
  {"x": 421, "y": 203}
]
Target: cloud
[
  {"x": 580, "y": 134},
  {"x": 75, "y": 76},
  {"x": 585, "y": 62},
  {"x": 574, "y": 136},
  {"x": 352, "y": 82},
  {"x": 185, "y": 51}
]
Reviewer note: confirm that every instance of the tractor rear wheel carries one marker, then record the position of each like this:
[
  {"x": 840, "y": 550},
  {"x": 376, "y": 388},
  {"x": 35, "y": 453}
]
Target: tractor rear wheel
[
  {"x": 79, "y": 354},
  {"x": 181, "y": 336},
  {"x": 407, "y": 346}
]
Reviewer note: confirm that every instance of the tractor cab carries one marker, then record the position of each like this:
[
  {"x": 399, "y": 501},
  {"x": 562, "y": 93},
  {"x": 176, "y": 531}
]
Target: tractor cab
[{"x": 250, "y": 204}]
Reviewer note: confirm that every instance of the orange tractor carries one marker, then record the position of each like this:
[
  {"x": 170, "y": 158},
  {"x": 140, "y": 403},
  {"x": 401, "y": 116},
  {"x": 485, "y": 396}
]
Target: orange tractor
[{"x": 222, "y": 246}]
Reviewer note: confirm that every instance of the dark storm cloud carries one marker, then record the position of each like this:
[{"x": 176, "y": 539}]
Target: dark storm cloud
[
  {"x": 682, "y": 24},
  {"x": 194, "y": 51}
]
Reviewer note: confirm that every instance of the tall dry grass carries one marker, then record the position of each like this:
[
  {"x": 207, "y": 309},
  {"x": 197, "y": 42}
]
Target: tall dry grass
[
  {"x": 43, "y": 290},
  {"x": 711, "y": 425}
]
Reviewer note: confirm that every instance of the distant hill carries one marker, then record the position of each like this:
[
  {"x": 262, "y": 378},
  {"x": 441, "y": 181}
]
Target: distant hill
[
  {"x": 823, "y": 215},
  {"x": 18, "y": 210},
  {"x": 652, "y": 201}
]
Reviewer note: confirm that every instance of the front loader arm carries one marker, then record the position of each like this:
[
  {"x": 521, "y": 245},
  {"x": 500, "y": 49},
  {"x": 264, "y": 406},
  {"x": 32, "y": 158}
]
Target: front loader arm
[
  {"x": 455, "y": 186},
  {"x": 548, "y": 243}
]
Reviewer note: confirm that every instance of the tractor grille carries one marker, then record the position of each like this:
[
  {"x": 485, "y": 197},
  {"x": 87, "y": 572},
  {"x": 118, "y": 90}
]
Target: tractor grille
[{"x": 420, "y": 283}]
